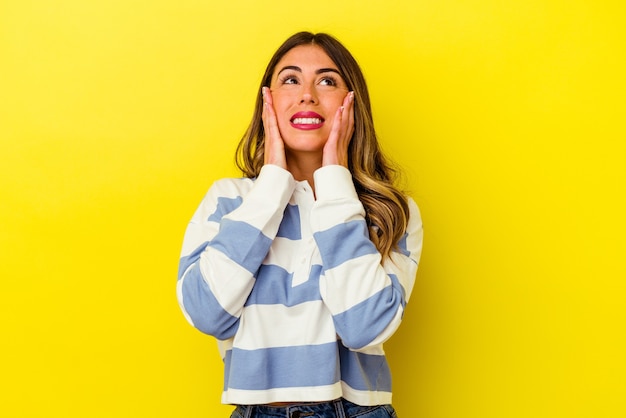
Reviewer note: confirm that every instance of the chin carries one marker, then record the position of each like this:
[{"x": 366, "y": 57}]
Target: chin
[
  {"x": 305, "y": 145},
  {"x": 299, "y": 150}
]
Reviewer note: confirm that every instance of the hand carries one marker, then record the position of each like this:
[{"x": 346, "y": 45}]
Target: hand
[
  {"x": 274, "y": 145},
  {"x": 336, "y": 148}
]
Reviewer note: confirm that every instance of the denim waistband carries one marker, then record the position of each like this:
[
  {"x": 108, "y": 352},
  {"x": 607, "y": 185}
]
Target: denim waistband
[{"x": 303, "y": 410}]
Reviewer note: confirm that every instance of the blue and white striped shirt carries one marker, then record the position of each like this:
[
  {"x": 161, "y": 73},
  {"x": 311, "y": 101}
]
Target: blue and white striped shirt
[{"x": 293, "y": 289}]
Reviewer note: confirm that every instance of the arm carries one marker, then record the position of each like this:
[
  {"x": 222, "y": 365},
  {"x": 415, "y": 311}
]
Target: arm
[
  {"x": 365, "y": 294},
  {"x": 225, "y": 243}
]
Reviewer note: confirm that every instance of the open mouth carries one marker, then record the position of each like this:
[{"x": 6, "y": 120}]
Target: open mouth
[{"x": 307, "y": 120}]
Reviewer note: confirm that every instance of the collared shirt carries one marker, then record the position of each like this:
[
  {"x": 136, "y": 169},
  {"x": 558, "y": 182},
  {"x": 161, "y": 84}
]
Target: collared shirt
[{"x": 295, "y": 292}]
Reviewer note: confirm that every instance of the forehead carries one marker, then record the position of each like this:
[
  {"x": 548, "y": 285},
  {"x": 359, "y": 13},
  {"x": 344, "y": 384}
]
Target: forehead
[{"x": 311, "y": 57}]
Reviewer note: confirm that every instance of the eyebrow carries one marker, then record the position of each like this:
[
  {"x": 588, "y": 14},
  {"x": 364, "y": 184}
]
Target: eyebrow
[{"x": 320, "y": 71}]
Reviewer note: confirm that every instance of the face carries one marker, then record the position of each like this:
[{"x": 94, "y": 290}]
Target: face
[{"x": 307, "y": 90}]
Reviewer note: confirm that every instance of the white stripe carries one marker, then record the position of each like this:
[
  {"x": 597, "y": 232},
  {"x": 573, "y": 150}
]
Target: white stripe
[
  {"x": 353, "y": 282},
  {"x": 374, "y": 350},
  {"x": 179, "y": 295},
  {"x": 265, "y": 326},
  {"x": 200, "y": 229},
  {"x": 198, "y": 234},
  {"x": 364, "y": 397},
  {"x": 229, "y": 282},
  {"x": 282, "y": 254},
  {"x": 265, "y": 203},
  {"x": 301, "y": 394},
  {"x": 325, "y": 214},
  {"x": 404, "y": 268},
  {"x": 224, "y": 345}
]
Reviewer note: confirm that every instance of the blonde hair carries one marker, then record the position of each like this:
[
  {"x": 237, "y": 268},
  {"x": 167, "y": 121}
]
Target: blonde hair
[{"x": 374, "y": 177}]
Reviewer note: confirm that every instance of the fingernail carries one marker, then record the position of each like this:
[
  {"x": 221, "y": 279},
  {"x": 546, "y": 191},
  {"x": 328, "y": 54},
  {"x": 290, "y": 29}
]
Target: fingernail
[
  {"x": 341, "y": 109},
  {"x": 263, "y": 91},
  {"x": 351, "y": 95}
]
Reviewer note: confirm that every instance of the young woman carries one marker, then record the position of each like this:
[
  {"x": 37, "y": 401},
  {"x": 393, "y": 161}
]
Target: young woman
[{"x": 302, "y": 269}]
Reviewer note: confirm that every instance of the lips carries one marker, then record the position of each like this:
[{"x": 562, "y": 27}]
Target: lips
[{"x": 307, "y": 121}]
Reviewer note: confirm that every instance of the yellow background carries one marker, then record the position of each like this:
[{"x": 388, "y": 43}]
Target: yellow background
[{"x": 508, "y": 116}]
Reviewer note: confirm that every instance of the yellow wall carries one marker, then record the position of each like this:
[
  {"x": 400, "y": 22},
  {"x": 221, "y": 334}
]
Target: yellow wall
[{"x": 116, "y": 115}]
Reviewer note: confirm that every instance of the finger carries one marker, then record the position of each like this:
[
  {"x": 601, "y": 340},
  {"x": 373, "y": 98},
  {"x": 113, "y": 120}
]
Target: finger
[
  {"x": 264, "y": 111},
  {"x": 348, "y": 118},
  {"x": 274, "y": 147},
  {"x": 267, "y": 95},
  {"x": 270, "y": 122},
  {"x": 334, "y": 150},
  {"x": 351, "y": 115}
]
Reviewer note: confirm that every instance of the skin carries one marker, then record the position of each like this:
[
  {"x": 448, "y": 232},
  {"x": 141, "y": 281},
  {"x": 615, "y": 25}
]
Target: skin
[{"x": 306, "y": 79}]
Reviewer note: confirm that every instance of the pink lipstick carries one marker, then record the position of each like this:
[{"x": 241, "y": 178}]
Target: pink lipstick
[{"x": 306, "y": 121}]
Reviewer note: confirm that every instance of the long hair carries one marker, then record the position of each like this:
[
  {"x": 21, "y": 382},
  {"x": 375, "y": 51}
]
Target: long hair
[{"x": 373, "y": 175}]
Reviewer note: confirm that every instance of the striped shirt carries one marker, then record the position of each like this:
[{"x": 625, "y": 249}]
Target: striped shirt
[{"x": 293, "y": 289}]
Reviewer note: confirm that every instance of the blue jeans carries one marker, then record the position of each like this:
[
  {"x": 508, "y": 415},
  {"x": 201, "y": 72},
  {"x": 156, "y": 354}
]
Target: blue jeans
[{"x": 339, "y": 408}]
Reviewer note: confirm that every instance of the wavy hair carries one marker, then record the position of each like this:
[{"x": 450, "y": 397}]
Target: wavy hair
[{"x": 373, "y": 175}]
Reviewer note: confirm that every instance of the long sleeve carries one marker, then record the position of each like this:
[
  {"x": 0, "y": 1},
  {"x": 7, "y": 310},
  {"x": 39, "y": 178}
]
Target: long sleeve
[
  {"x": 365, "y": 294},
  {"x": 281, "y": 278},
  {"x": 225, "y": 243}
]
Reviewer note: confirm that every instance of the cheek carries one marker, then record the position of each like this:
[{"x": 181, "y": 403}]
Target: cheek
[
  {"x": 281, "y": 102},
  {"x": 335, "y": 100}
]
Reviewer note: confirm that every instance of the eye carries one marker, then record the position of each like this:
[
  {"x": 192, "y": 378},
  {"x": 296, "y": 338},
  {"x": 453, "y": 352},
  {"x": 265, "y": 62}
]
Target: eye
[
  {"x": 328, "y": 81},
  {"x": 288, "y": 79}
]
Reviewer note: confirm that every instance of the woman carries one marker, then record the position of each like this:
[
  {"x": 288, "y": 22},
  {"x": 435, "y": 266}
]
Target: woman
[{"x": 302, "y": 268}]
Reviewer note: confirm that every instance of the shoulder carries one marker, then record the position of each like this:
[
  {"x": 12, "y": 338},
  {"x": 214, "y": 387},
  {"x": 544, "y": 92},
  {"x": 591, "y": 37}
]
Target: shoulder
[
  {"x": 223, "y": 196},
  {"x": 414, "y": 210},
  {"x": 230, "y": 187},
  {"x": 415, "y": 215},
  {"x": 414, "y": 234}
]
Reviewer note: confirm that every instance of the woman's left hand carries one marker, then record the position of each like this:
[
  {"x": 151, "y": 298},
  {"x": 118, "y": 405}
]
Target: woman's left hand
[
  {"x": 336, "y": 149},
  {"x": 274, "y": 152}
]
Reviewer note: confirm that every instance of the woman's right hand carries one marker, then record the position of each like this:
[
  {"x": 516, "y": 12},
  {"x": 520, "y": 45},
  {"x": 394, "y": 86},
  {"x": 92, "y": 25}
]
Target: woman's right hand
[{"x": 274, "y": 145}]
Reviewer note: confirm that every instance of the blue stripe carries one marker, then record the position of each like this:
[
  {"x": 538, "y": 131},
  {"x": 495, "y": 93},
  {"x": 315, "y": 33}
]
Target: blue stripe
[
  {"x": 204, "y": 309},
  {"x": 402, "y": 246},
  {"x": 290, "y": 225},
  {"x": 396, "y": 285},
  {"x": 376, "y": 312},
  {"x": 364, "y": 371},
  {"x": 273, "y": 286},
  {"x": 242, "y": 243},
  {"x": 344, "y": 242},
  {"x": 225, "y": 205},
  {"x": 188, "y": 260},
  {"x": 227, "y": 362},
  {"x": 283, "y": 367}
]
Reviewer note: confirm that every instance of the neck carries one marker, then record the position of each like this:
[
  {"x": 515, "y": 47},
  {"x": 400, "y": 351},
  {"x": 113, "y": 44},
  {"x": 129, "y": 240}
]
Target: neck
[{"x": 303, "y": 165}]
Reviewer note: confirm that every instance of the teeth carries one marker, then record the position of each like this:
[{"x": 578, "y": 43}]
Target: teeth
[{"x": 307, "y": 121}]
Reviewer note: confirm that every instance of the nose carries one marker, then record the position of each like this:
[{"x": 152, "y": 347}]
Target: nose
[{"x": 308, "y": 95}]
